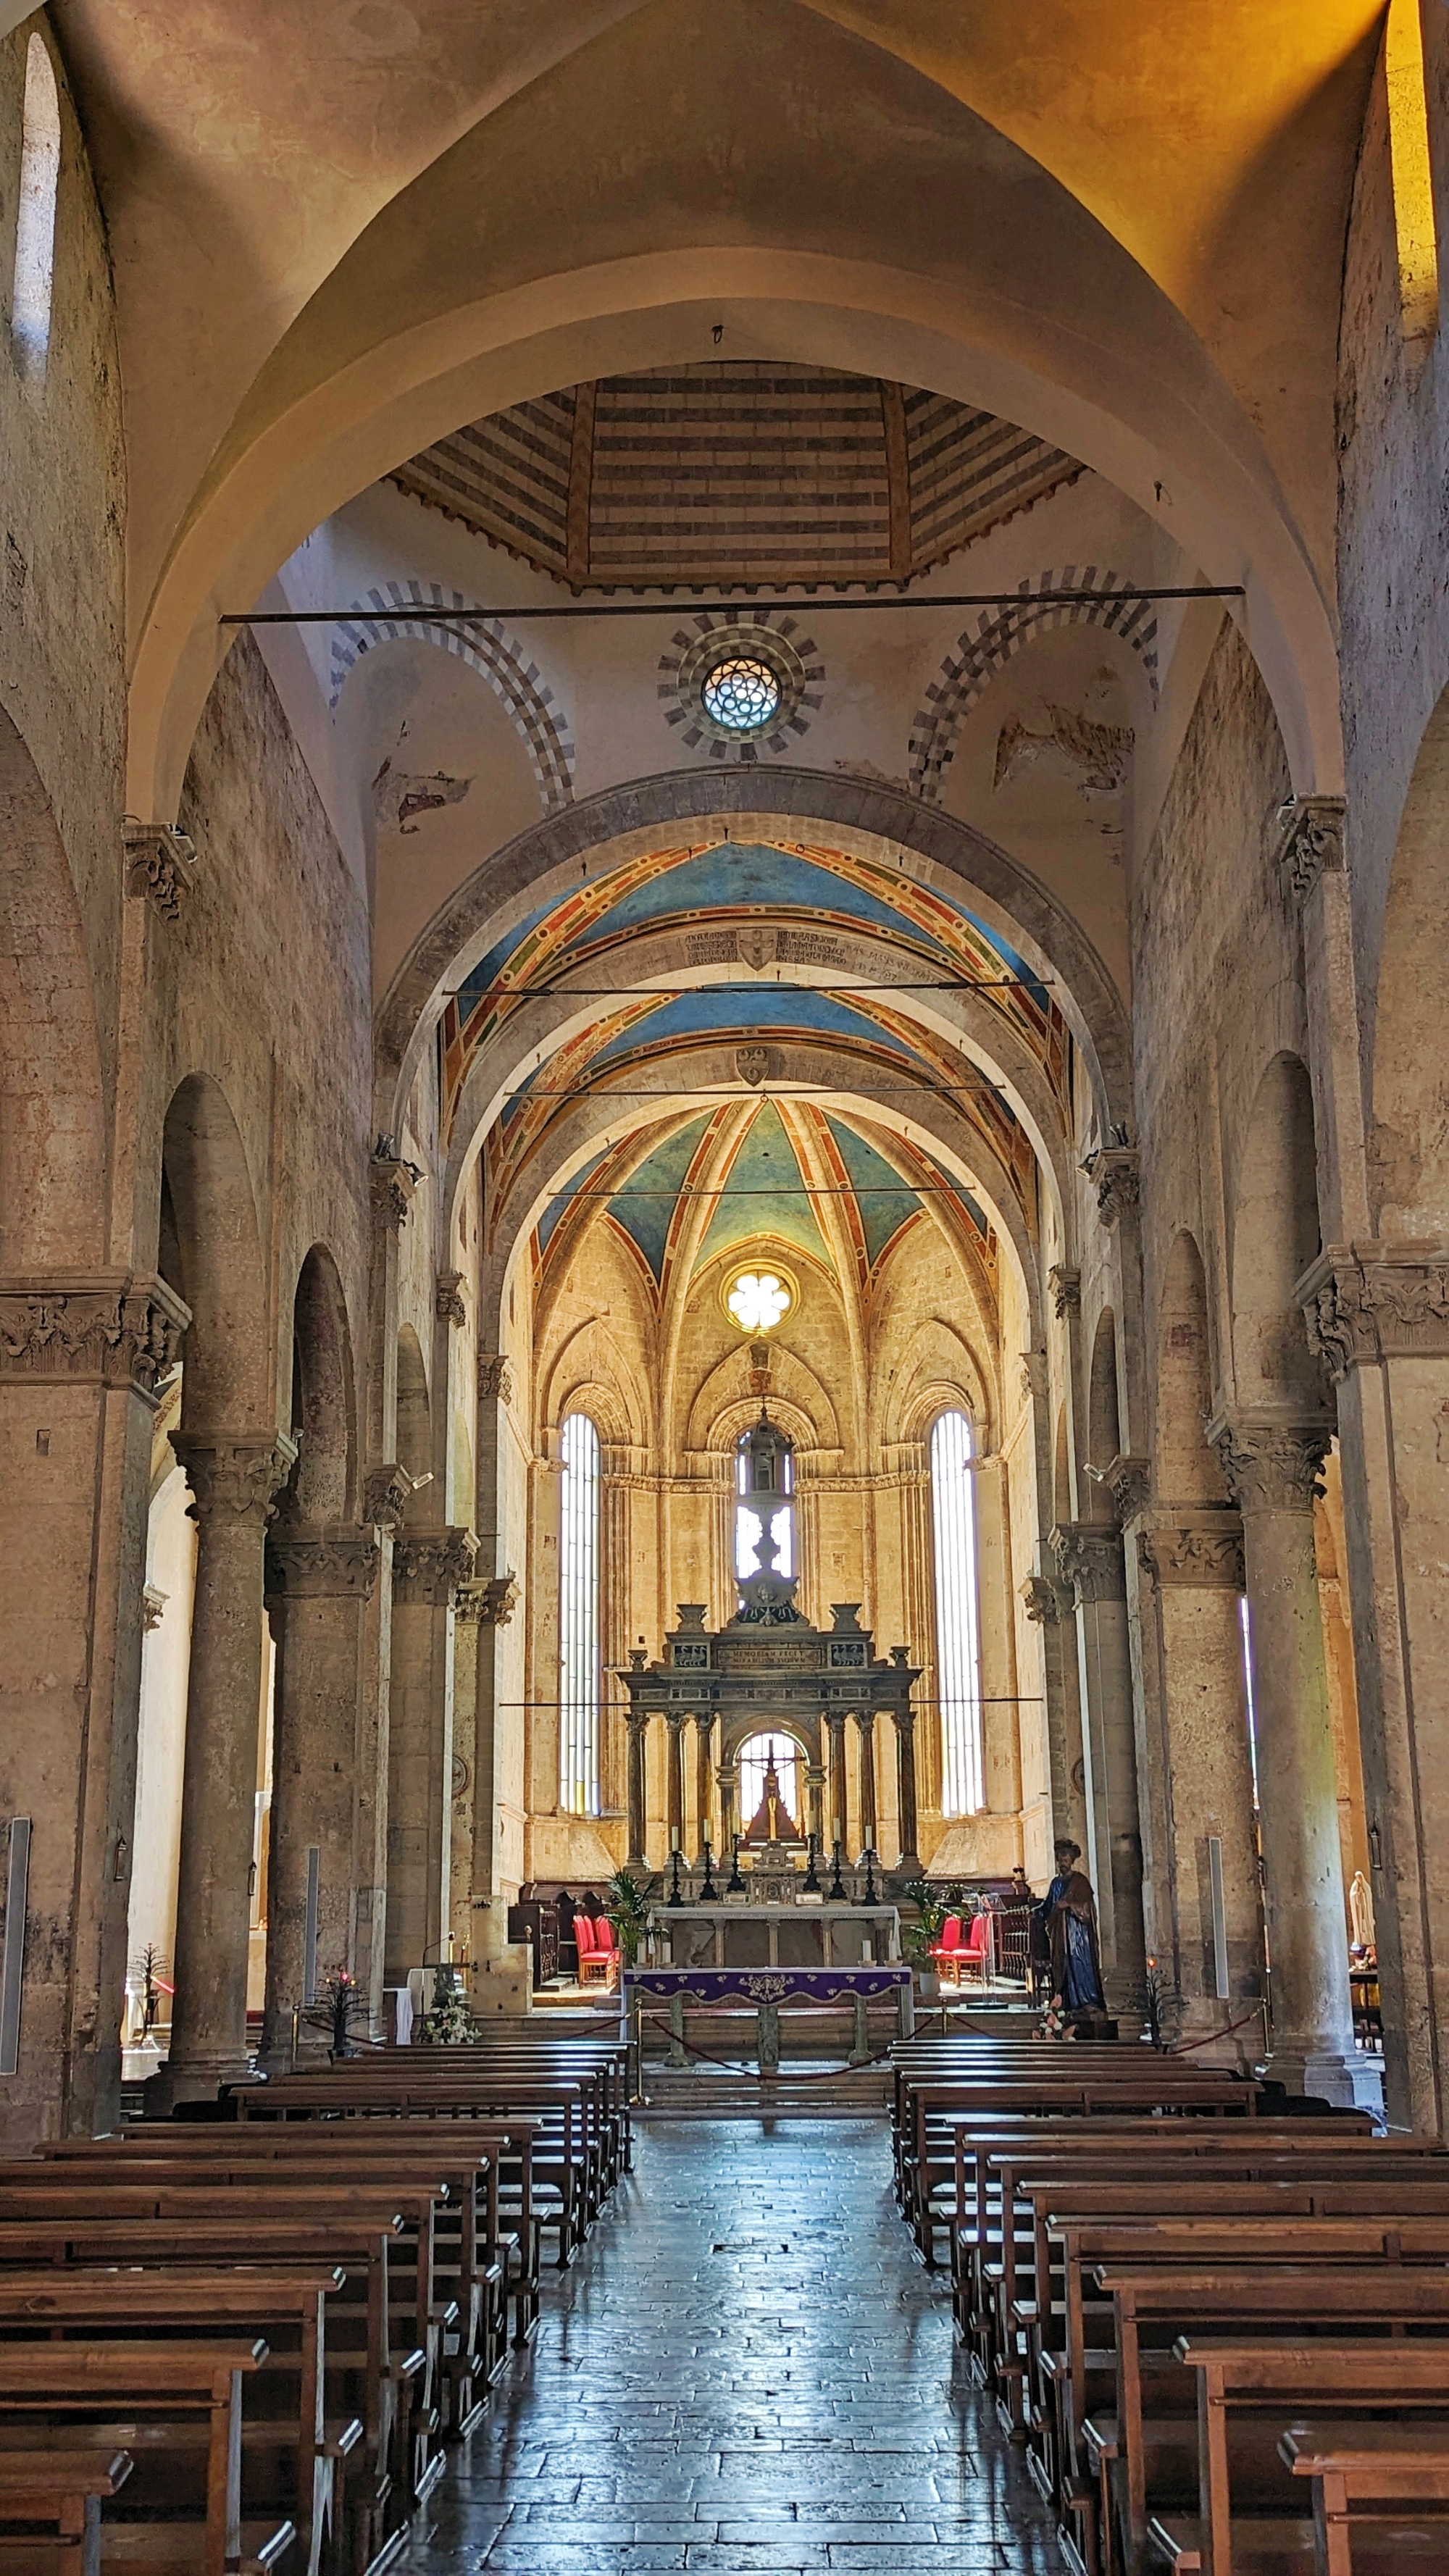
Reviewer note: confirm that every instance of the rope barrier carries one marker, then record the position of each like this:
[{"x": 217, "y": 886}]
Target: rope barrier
[{"x": 761, "y": 2075}]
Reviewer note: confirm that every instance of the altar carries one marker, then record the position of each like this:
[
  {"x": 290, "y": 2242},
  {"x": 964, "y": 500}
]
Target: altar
[{"x": 775, "y": 1936}]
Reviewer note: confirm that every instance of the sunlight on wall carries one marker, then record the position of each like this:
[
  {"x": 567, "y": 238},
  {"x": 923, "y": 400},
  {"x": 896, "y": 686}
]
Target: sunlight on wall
[
  {"x": 35, "y": 221},
  {"x": 1414, "y": 224}
]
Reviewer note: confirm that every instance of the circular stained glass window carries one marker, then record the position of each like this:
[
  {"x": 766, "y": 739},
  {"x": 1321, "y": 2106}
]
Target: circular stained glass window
[
  {"x": 759, "y": 1300},
  {"x": 741, "y": 694}
]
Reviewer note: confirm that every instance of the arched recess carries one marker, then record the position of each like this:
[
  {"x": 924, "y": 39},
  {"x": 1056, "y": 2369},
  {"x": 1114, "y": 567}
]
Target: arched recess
[
  {"x": 414, "y": 1422},
  {"x": 1104, "y": 1435},
  {"x": 486, "y": 647},
  {"x": 52, "y": 1131},
  {"x": 1408, "y": 1150},
  {"x": 323, "y": 1481},
  {"x": 877, "y": 823},
  {"x": 998, "y": 635},
  {"x": 1186, "y": 1469},
  {"x": 207, "y": 1190},
  {"x": 1275, "y": 1237}
]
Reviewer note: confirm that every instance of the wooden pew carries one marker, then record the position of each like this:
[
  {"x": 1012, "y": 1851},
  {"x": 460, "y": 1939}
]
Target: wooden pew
[
  {"x": 156, "y": 2386},
  {"x": 1367, "y": 2478},
  {"x": 63, "y": 2488}
]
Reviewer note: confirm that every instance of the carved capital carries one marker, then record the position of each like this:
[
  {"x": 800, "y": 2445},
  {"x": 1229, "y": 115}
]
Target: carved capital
[
  {"x": 1090, "y": 1560},
  {"x": 153, "y": 1607},
  {"x": 448, "y": 1302},
  {"x": 1202, "y": 1554},
  {"x": 1271, "y": 1466},
  {"x": 1065, "y": 1289},
  {"x": 1377, "y": 1301},
  {"x": 327, "y": 1564},
  {"x": 235, "y": 1477},
  {"x": 1129, "y": 1482},
  {"x": 1312, "y": 843},
  {"x": 429, "y": 1565},
  {"x": 495, "y": 1381},
  {"x": 392, "y": 1182},
  {"x": 1045, "y": 1601},
  {"x": 161, "y": 865},
  {"x": 109, "y": 1328},
  {"x": 385, "y": 1493},
  {"x": 1033, "y": 1376},
  {"x": 490, "y": 1602},
  {"x": 1115, "y": 1174}
]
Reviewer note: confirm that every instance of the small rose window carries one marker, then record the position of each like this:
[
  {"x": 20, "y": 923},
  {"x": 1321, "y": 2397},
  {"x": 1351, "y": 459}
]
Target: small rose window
[
  {"x": 741, "y": 693},
  {"x": 759, "y": 1300}
]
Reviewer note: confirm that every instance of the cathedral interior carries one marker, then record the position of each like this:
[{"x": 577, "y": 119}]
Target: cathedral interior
[{"x": 724, "y": 1006}]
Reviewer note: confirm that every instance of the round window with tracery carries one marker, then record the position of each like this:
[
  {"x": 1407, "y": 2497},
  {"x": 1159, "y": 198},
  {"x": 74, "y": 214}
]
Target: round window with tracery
[
  {"x": 758, "y": 1300},
  {"x": 741, "y": 694}
]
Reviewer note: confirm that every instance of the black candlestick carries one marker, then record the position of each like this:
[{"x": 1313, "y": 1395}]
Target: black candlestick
[
  {"x": 708, "y": 1892},
  {"x": 674, "y": 1896},
  {"x": 835, "y": 1893},
  {"x": 868, "y": 1856},
  {"x": 734, "y": 1884},
  {"x": 812, "y": 1882}
]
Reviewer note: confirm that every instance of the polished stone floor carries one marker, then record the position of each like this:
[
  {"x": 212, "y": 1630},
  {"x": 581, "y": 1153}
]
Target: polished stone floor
[{"x": 745, "y": 2369}]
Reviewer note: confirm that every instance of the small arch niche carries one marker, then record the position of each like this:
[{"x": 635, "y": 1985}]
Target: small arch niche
[{"x": 32, "y": 291}]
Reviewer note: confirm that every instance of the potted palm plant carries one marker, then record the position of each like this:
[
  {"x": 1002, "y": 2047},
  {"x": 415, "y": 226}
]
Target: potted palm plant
[{"x": 628, "y": 1912}]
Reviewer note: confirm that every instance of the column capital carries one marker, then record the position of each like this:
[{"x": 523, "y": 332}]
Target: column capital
[
  {"x": 1378, "y": 1300},
  {"x": 495, "y": 1380},
  {"x": 1115, "y": 1173},
  {"x": 1129, "y": 1482},
  {"x": 1045, "y": 1600},
  {"x": 1064, "y": 1286},
  {"x": 1193, "y": 1551},
  {"x": 106, "y": 1327},
  {"x": 1271, "y": 1465},
  {"x": 449, "y": 1304},
  {"x": 429, "y": 1565},
  {"x": 161, "y": 865},
  {"x": 386, "y": 1491},
  {"x": 490, "y": 1601},
  {"x": 1090, "y": 1559},
  {"x": 235, "y": 1475},
  {"x": 392, "y": 1180},
  {"x": 336, "y": 1562},
  {"x": 1312, "y": 843}
]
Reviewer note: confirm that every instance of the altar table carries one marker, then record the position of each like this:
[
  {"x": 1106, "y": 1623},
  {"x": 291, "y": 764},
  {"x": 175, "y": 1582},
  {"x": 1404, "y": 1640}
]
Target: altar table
[{"x": 768, "y": 1989}]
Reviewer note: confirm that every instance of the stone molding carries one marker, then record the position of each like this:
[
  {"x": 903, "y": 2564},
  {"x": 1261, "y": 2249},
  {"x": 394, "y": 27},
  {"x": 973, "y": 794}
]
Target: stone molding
[
  {"x": 392, "y": 1181},
  {"x": 1271, "y": 1465},
  {"x": 429, "y": 1565},
  {"x": 1116, "y": 1175},
  {"x": 161, "y": 865},
  {"x": 495, "y": 1378},
  {"x": 235, "y": 1475},
  {"x": 490, "y": 1603},
  {"x": 1090, "y": 1560},
  {"x": 1045, "y": 1600},
  {"x": 1201, "y": 1553},
  {"x": 1065, "y": 1288},
  {"x": 331, "y": 1563},
  {"x": 1129, "y": 1482},
  {"x": 107, "y": 1328},
  {"x": 1312, "y": 844},
  {"x": 1365, "y": 1302},
  {"x": 386, "y": 1492},
  {"x": 448, "y": 1301}
]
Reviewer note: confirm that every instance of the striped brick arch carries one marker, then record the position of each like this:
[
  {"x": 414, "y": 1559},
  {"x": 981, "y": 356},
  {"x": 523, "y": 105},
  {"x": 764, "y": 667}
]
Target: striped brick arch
[
  {"x": 1000, "y": 633},
  {"x": 398, "y": 608}
]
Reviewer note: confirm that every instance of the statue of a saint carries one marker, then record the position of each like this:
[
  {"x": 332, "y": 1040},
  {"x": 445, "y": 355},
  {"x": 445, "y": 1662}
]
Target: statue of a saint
[{"x": 1068, "y": 1915}]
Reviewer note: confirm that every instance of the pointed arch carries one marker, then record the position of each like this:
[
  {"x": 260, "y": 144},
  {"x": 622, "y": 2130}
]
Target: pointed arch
[
  {"x": 999, "y": 634},
  {"x": 400, "y": 608}
]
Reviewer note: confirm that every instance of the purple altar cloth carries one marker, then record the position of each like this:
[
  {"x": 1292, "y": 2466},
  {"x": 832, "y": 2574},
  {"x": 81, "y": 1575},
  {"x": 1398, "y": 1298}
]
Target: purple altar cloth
[{"x": 769, "y": 1985}]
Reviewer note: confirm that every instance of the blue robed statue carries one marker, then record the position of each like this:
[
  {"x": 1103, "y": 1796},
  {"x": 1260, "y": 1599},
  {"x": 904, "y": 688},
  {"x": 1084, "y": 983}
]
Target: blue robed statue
[{"x": 1065, "y": 1934}]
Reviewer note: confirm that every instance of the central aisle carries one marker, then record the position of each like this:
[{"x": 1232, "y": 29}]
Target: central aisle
[{"x": 745, "y": 2369}]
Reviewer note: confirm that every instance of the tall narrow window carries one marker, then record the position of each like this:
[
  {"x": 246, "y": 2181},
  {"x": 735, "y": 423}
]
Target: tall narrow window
[
  {"x": 579, "y": 1672},
  {"x": 35, "y": 221},
  {"x": 958, "y": 1651}
]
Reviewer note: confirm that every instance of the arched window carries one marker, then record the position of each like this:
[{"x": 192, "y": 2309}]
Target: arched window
[
  {"x": 958, "y": 1648},
  {"x": 747, "y": 1522},
  {"x": 578, "y": 1620},
  {"x": 760, "y": 1755},
  {"x": 35, "y": 223}
]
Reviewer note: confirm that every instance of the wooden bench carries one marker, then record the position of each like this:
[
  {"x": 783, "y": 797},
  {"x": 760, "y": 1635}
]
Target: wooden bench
[
  {"x": 61, "y": 2490},
  {"x": 1364, "y": 2476}
]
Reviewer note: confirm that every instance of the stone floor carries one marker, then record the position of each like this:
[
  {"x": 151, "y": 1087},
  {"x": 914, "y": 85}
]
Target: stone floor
[{"x": 745, "y": 2369}]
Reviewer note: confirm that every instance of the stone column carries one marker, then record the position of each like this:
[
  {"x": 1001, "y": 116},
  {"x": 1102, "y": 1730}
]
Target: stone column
[
  {"x": 500, "y": 1970},
  {"x": 703, "y": 1776},
  {"x": 638, "y": 1725},
  {"x": 81, "y": 1359},
  {"x": 318, "y": 1583},
  {"x": 1210, "y": 1930},
  {"x": 674, "y": 1780},
  {"x": 839, "y": 1782},
  {"x": 815, "y": 1802},
  {"x": 869, "y": 1828},
  {"x": 427, "y": 1567},
  {"x": 1050, "y": 1605},
  {"x": 1272, "y": 1467},
  {"x": 386, "y": 1490},
  {"x": 905, "y": 1726},
  {"x": 1089, "y": 1557},
  {"x": 728, "y": 1821},
  {"x": 235, "y": 1480}
]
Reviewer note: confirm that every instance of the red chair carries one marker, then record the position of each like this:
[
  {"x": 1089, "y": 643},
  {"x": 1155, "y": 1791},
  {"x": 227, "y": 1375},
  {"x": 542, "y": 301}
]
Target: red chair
[
  {"x": 947, "y": 1952},
  {"x": 976, "y": 1957},
  {"x": 598, "y": 1958}
]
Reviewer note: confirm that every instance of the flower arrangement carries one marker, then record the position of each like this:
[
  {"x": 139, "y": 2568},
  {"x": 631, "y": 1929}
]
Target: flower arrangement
[
  {"x": 1055, "y": 2022},
  {"x": 447, "y": 2022}
]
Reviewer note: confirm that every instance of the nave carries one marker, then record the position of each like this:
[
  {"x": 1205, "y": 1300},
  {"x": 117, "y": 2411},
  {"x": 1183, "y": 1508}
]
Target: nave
[{"x": 745, "y": 2370}]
